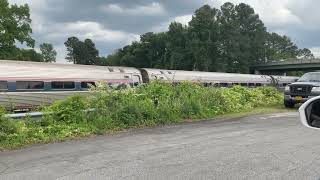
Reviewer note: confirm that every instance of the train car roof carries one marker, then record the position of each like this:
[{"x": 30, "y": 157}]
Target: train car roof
[
  {"x": 13, "y": 63},
  {"x": 22, "y": 70},
  {"x": 208, "y": 76}
]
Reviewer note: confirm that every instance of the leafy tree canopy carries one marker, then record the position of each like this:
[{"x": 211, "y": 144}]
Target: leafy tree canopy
[
  {"x": 15, "y": 27},
  {"x": 47, "y": 52},
  {"x": 81, "y": 52}
]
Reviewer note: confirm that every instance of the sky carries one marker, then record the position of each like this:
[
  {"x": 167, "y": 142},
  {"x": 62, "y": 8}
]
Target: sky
[{"x": 111, "y": 24}]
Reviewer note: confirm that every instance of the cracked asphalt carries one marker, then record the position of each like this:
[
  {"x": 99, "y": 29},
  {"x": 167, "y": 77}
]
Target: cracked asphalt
[{"x": 274, "y": 146}]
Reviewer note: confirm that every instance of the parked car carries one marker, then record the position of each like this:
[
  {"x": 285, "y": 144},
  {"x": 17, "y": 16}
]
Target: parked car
[
  {"x": 307, "y": 87},
  {"x": 310, "y": 113}
]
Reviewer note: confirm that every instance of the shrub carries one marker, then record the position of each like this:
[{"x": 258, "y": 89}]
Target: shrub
[{"x": 68, "y": 111}]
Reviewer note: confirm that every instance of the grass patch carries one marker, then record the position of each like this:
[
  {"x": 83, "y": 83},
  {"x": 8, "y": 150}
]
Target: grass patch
[
  {"x": 258, "y": 111},
  {"x": 145, "y": 106}
]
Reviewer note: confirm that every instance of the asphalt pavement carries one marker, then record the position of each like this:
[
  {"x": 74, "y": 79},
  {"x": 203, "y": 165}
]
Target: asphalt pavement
[{"x": 274, "y": 146}]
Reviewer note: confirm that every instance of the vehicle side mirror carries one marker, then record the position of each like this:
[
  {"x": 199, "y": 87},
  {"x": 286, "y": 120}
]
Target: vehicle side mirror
[{"x": 310, "y": 113}]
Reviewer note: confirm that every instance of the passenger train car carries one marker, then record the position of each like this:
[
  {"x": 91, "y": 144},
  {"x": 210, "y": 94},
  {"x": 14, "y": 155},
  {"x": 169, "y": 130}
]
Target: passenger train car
[
  {"x": 216, "y": 79},
  {"x": 24, "y": 85}
]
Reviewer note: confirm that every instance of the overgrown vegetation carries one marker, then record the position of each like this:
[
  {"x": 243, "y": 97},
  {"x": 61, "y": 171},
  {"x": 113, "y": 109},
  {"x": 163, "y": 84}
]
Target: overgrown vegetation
[{"x": 108, "y": 110}]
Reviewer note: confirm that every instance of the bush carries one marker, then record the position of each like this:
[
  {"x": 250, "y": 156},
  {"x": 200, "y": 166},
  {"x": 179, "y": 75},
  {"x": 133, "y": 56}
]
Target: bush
[{"x": 108, "y": 110}]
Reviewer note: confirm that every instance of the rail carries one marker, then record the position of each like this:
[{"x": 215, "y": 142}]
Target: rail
[
  {"x": 24, "y": 115},
  {"x": 34, "y": 115}
]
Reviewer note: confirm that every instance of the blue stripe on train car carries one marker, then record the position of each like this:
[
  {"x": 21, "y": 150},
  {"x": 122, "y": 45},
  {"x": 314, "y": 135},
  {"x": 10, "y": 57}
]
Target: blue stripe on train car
[{"x": 11, "y": 86}]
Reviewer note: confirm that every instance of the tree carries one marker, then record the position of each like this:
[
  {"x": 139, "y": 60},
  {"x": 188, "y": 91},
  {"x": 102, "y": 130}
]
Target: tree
[
  {"x": 305, "y": 53},
  {"x": 178, "y": 55},
  {"x": 15, "y": 26},
  {"x": 81, "y": 52},
  {"x": 29, "y": 55},
  {"x": 48, "y": 53},
  {"x": 92, "y": 53},
  {"x": 280, "y": 47},
  {"x": 242, "y": 37},
  {"x": 72, "y": 44},
  {"x": 203, "y": 33}
]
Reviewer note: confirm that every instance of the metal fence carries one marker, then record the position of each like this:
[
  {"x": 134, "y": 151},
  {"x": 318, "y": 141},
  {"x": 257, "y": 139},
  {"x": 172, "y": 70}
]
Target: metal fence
[
  {"x": 34, "y": 115},
  {"x": 19, "y": 116},
  {"x": 291, "y": 61}
]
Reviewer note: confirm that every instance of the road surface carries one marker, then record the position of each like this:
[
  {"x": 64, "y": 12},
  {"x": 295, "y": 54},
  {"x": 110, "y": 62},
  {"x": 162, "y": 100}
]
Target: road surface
[{"x": 272, "y": 146}]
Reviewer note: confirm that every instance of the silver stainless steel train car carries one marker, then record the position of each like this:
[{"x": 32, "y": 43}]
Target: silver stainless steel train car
[
  {"x": 27, "y": 84},
  {"x": 216, "y": 79},
  {"x": 24, "y": 85}
]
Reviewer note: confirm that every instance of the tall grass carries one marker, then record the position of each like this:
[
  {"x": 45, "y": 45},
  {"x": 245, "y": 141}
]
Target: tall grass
[{"x": 154, "y": 104}]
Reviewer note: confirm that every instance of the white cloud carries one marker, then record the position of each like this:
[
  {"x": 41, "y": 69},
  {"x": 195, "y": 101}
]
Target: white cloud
[
  {"x": 184, "y": 19},
  {"x": 315, "y": 51},
  {"x": 274, "y": 13},
  {"x": 31, "y": 3},
  {"x": 88, "y": 29},
  {"x": 83, "y": 30},
  {"x": 153, "y": 9},
  {"x": 61, "y": 54},
  {"x": 308, "y": 12}
]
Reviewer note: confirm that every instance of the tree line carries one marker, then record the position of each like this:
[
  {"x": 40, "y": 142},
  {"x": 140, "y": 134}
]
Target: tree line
[
  {"x": 229, "y": 39},
  {"x": 225, "y": 39}
]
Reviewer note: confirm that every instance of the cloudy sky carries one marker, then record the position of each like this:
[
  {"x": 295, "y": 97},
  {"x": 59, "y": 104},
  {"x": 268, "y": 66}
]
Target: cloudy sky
[{"x": 115, "y": 23}]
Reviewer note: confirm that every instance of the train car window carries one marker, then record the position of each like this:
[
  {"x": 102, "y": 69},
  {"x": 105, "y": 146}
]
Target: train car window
[
  {"x": 251, "y": 84},
  {"x": 224, "y": 84},
  {"x": 235, "y": 84},
  {"x": 86, "y": 85},
  {"x": 258, "y": 84},
  {"x": 244, "y": 84},
  {"x": 29, "y": 85},
  {"x": 57, "y": 85},
  {"x": 68, "y": 85},
  {"x": 3, "y": 85},
  {"x": 62, "y": 85},
  {"x": 161, "y": 72},
  {"x": 169, "y": 72},
  {"x": 121, "y": 70},
  {"x": 284, "y": 84},
  {"x": 111, "y": 69},
  {"x": 127, "y": 77}
]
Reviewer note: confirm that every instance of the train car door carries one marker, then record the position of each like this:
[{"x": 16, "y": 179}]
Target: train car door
[{"x": 136, "y": 80}]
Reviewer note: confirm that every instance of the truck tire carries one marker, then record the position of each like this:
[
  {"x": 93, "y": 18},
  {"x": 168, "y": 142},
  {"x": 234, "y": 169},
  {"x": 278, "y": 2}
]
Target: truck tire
[{"x": 289, "y": 104}]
